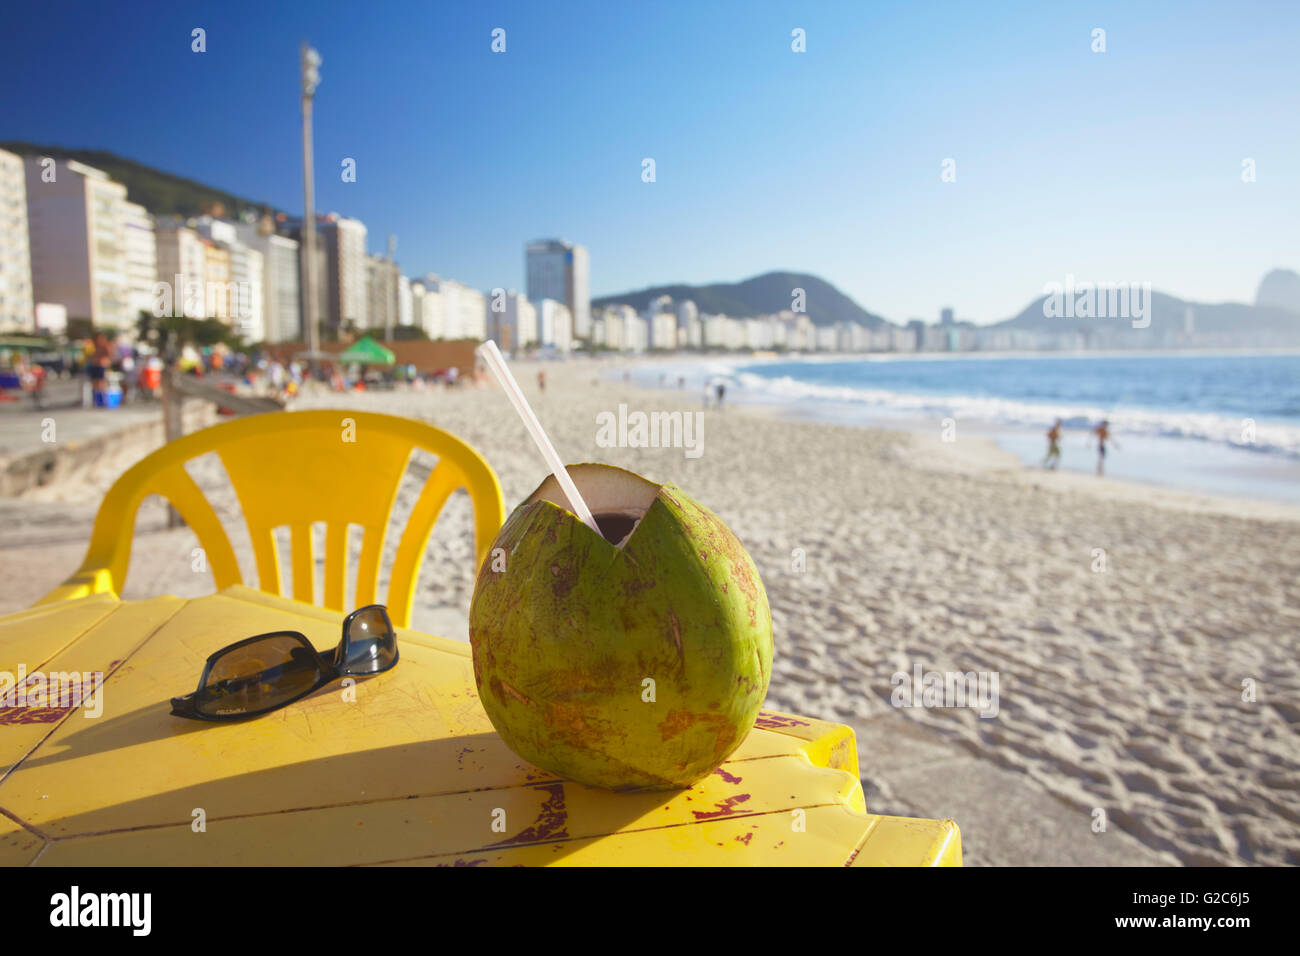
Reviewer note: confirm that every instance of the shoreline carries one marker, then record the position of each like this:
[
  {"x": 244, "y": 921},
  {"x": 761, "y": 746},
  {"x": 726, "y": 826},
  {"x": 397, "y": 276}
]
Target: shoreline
[{"x": 1188, "y": 464}]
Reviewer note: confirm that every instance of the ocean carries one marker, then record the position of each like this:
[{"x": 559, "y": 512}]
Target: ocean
[{"x": 1225, "y": 423}]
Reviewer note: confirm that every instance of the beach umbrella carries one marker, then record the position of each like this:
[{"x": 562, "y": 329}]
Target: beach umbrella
[{"x": 367, "y": 351}]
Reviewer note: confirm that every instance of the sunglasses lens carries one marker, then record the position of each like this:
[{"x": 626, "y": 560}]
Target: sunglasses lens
[
  {"x": 258, "y": 676},
  {"x": 372, "y": 643}
]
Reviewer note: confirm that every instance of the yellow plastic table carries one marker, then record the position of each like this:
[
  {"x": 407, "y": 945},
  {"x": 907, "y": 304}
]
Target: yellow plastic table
[{"x": 402, "y": 768}]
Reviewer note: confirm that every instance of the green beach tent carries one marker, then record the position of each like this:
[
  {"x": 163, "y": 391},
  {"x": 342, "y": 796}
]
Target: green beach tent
[{"x": 366, "y": 351}]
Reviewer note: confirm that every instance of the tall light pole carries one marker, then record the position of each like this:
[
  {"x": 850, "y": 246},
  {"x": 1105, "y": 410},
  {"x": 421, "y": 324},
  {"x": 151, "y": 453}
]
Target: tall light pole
[{"x": 310, "y": 61}]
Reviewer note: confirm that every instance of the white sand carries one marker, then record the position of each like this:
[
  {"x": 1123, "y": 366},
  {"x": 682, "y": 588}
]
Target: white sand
[{"x": 1120, "y": 690}]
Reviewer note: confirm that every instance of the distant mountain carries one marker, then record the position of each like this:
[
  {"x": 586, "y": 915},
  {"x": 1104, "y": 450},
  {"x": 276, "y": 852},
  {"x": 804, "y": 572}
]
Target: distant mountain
[
  {"x": 767, "y": 294},
  {"x": 163, "y": 194},
  {"x": 1280, "y": 289},
  {"x": 1168, "y": 312}
]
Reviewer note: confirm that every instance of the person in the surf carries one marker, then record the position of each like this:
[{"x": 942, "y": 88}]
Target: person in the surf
[
  {"x": 1102, "y": 432},
  {"x": 1053, "y": 447}
]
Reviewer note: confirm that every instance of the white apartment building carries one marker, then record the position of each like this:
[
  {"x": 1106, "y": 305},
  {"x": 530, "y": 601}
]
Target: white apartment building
[
  {"x": 845, "y": 337},
  {"x": 904, "y": 340},
  {"x": 800, "y": 333},
  {"x": 246, "y": 304},
  {"x": 463, "y": 311},
  {"x": 141, "y": 257},
  {"x": 240, "y": 301},
  {"x": 636, "y": 332},
  {"x": 690, "y": 335},
  {"x": 382, "y": 285},
  {"x": 512, "y": 320},
  {"x": 622, "y": 329},
  {"x": 17, "y": 307},
  {"x": 426, "y": 308},
  {"x": 76, "y": 226},
  {"x": 778, "y": 332},
  {"x": 554, "y": 325},
  {"x": 182, "y": 268},
  {"x": 687, "y": 314},
  {"x": 557, "y": 269},
  {"x": 614, "y": 332},
  {"x": 344, "y": 242},
  {"x": 405, "y": 306},
  {"x": 663, "y": 330},
  {"x": 714, "y": 331},
  {"x": 281, "y": 302}
]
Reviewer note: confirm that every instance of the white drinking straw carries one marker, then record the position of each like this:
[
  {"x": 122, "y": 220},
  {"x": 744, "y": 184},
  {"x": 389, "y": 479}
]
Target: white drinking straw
[{"x": 496, "y": 362}]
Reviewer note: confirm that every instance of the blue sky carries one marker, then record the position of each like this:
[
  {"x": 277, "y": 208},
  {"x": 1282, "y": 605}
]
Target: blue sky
[{"x": 1116, "y": 166}]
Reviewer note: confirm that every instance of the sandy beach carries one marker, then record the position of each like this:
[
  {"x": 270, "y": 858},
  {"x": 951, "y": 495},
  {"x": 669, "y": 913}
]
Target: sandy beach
[{"x": 1143, "y": 641}]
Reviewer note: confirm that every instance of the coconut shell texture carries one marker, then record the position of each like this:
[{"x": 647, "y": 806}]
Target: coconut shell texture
[{"x": 566, "y": 638}]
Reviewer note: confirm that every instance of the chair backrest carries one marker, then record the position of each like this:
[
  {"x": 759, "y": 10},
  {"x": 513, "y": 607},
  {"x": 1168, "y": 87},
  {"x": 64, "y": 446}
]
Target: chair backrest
[{"x": 294, "y": 469}]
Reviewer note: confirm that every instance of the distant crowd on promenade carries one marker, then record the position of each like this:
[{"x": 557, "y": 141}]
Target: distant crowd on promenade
[{"x": 113, "y": 373}]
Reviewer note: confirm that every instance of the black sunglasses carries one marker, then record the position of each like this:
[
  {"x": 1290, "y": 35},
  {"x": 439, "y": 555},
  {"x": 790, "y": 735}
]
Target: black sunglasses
[{"x": 266, "y": 672}]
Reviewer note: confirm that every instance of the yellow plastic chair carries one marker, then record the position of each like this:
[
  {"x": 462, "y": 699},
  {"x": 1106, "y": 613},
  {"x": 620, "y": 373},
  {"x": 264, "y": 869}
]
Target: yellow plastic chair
[{"x": 294, "y": 469}]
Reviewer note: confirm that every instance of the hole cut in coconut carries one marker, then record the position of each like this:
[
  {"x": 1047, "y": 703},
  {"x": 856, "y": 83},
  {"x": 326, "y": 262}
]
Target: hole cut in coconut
[{"x": 617, "y": 498}]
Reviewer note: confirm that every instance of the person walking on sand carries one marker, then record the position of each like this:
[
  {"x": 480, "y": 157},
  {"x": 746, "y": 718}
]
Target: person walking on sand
[
  {"x": 541, "y": 381},
  {"x": 1053, "y": 447},
  {"x": 1102, "y": 432},
  {"x": 721, "y": 390}
]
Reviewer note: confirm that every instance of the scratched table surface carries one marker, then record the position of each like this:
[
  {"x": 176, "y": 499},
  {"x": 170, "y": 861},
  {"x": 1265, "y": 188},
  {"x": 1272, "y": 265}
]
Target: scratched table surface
[{"x": 410, "y": 771}]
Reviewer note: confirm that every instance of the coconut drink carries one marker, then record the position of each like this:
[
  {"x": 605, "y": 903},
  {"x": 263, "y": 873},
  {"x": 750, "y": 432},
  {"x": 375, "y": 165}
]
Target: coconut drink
[{"x": 633, "y": 656}]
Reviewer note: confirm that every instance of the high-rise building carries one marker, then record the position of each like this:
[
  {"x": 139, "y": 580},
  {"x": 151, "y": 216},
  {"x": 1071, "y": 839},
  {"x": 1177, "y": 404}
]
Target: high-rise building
[
  {"x": 637, "y": 333},
  {"x": 917, "y": 328},
  {"x": 690, "y": 335},
  {"x": 216, "y": 279},
  {"x": 554, "y": 325},
  {"x": 687, "y": 312},
  {"x": 76, "y": 224},
  {"x": 344, "y": 241},
  {"x": 663, "y": 331},
  {"x": 382, "y": 295},
  {"x": 559, "y": 270},
  {"x": 714, "y": 331},
  {"x": 240, "y": 302},
  {"x": 426, "y": 307},
  {"x": 405, "y": 305},
  {"x": 16, "y": 304},
  {"x": 512, "y": 320},
  {"x": 181, "y": 266},
  {"x": 342, "y": 289},
  {"x": 246, "y": 304},
  {"x": 625, "y": 330},
  {"x": 464, "y": 310},
  {"x": 800, "y": 333},
  {"x": 945, "y": 317},
  {"x": 281, "y": 306},
  {"x": 141, "y": 257}
]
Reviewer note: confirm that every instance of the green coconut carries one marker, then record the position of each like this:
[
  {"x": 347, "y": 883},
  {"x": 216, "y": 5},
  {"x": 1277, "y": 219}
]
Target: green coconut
[{"x": 634, "y": 659}]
